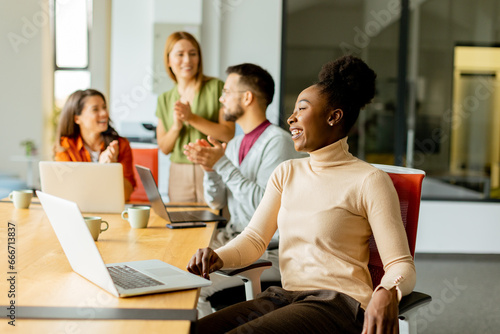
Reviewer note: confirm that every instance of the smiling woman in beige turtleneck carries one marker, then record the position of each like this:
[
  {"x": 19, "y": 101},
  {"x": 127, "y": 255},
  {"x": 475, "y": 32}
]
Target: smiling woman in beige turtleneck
[{"x": 326, "y": 207}]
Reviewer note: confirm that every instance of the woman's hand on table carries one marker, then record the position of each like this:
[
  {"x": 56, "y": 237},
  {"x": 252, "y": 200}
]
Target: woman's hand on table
[{"x": 204, "y": 262}]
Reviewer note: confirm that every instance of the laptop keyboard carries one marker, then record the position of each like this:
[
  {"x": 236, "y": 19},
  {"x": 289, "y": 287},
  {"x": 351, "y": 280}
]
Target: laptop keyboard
[{"x": 129, "y": 278}]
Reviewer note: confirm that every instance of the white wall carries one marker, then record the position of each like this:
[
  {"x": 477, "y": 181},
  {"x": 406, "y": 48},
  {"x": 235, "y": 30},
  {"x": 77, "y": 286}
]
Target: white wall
[
  {"x": 251, "y": 32},
  {"x": 229, "y": 35},
  {"x": 132, "y": 100},
  {"x": 232, "y": 32},
  {"x": 22, "y": 25},
  {"x": 458, "y": 227},
  {"x": 131, "y": 62},
  {"x": 100, "y": 46}
]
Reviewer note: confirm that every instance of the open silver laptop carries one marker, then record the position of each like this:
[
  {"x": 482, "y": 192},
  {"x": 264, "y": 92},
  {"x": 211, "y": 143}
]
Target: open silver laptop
[
  {"x": 94, "y": 187},
  {"x": 120, "y": 279},
  {"x": 177, "y": 219}
]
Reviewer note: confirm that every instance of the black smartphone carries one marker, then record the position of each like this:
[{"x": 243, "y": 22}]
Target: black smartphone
[{"x": 186, "y": 225}]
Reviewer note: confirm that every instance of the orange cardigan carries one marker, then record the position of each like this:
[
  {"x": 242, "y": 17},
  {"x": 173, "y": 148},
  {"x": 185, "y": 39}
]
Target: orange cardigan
[{"x": 74, "y": 150}]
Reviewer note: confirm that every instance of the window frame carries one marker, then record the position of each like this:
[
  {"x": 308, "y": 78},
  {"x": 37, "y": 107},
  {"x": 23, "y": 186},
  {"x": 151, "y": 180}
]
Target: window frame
[{"x": 54, "y": 39}]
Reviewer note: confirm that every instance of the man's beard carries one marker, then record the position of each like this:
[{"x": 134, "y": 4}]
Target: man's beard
[{"x": 233, "y": 115}]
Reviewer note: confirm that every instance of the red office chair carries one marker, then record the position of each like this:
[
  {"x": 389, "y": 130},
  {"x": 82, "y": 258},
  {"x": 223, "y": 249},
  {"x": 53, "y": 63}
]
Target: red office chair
[
  {"x": 147, "y": 157},
  {"x": 408, "y": 184}
]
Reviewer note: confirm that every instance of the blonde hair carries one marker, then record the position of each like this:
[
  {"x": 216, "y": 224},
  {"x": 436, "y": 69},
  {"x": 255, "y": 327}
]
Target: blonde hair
[{"x": 169, "y": 45}]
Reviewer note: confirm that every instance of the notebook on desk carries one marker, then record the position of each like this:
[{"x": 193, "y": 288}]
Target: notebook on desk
[
  {"x": 190, "y": 218},
  {"x": 94, "y": 187},
  {"x": 120, "y": 279}
]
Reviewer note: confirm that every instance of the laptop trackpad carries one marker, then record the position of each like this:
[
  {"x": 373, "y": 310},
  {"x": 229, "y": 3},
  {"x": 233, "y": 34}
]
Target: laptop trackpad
[{"x": 164, "y": 272}]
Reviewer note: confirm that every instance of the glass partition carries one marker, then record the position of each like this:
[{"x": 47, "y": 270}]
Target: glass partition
[
  {"x": 458, "y": 110},
  {"x": 453, "y": 80}
]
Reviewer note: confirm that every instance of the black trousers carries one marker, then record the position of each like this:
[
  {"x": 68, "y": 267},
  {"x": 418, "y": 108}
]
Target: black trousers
[{"x": 280, "y": 311}]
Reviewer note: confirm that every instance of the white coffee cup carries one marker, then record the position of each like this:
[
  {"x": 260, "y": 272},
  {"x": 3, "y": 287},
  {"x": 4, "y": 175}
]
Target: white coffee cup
[
  {"x": 137, "y": 216},
  {"x": 21, "y": 198},
  {"x": 95, "y": 226}
]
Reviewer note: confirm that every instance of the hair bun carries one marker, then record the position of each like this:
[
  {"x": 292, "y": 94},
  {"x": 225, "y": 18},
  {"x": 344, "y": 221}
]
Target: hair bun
[
  {"x": 348, "y": 84},
  {"x": 353, "y": 76}
]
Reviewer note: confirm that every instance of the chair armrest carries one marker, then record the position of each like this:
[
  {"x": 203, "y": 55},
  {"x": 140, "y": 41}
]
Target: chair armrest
[
  {"x": 256, "y": 264},
  {"x": 250, "y": 275},
  {"x": 411, "y": 301}
]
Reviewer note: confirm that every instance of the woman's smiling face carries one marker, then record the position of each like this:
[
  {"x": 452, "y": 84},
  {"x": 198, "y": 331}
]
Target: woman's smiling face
[
  {"x": 184, "y": 59},
  {"x": 310, "y": 121},
  {"x": 94, "y": 116}
]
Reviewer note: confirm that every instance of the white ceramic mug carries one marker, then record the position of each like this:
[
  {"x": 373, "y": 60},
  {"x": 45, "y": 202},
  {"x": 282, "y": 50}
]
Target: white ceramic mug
[
  {"x": 21, "y": 198},
  {"x": 95, "y": 226},
  {"x": 137, "y": 216}
]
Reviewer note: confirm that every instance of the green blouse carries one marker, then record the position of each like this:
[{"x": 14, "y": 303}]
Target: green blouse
[{"x": 205, "y": 104}]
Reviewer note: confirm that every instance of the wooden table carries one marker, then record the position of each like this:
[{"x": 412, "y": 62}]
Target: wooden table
[{"x": 44, "y": 277}]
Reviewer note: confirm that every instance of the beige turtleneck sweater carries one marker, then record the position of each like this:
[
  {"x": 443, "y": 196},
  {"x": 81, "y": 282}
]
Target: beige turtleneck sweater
[{"x": 326, "y": 208}]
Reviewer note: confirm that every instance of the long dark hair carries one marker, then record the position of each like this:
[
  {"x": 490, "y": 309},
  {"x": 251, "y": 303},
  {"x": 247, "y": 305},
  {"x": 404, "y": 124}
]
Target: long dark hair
[{"x": 73, "y": 107}]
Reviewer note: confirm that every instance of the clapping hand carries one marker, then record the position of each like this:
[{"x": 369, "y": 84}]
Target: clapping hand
[
  {"x": 110, "y": 154},
  {"x": 202, "y": 153},
  {"x": 182, "y": 111}
]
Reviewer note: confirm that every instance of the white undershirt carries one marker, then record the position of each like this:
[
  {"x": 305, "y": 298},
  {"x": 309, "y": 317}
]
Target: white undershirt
[{"x": 94, "y": 155}]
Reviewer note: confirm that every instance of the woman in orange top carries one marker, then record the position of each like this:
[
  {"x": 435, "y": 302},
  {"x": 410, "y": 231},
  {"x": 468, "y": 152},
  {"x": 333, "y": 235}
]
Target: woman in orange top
[{"x": 84, "y": 134}]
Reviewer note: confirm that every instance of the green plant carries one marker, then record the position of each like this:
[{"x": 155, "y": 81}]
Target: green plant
[
  {"x": 29, "y": 146},
  {"x": 56, "y": 112}
]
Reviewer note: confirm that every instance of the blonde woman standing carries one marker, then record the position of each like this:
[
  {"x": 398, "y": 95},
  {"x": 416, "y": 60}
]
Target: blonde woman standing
[{"x": 189, "y": 111}]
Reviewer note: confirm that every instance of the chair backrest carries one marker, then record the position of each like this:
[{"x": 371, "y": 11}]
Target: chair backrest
[
  {"x": 147, "y": 157},
  {"x": 408, "y": 184}
]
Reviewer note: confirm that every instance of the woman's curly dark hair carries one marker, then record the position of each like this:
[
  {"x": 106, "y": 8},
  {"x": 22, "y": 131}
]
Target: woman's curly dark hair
[{"x": 348, "y": 84}]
